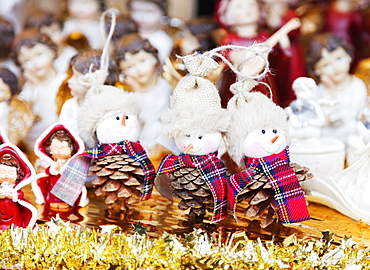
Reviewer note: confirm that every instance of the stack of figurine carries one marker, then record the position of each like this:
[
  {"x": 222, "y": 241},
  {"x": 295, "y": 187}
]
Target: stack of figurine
[{"x": 256, "y": 103}]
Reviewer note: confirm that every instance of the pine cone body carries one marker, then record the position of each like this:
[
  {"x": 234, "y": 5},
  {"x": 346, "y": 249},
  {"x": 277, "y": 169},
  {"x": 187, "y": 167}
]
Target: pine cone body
[
  {"x": 119, "y": 178},
  {"x": 259, "y": 196},
  {"x": 189, "y": 186}
]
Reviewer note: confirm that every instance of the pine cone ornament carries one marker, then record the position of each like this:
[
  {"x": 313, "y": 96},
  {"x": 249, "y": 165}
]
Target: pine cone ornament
[
  {"x": 259, "y": 196},
  {"x": 119, "y": 178},
  {"x": 189, "y": 186}
]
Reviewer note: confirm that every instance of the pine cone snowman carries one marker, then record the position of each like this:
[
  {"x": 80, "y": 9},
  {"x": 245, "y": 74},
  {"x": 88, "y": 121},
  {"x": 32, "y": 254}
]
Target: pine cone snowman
[
  {"x": 195, "y": 122},
  {"x": 257, "y": 140},
  {"x": 120, "y": 178},
  {"x": 110, "y": 129}
]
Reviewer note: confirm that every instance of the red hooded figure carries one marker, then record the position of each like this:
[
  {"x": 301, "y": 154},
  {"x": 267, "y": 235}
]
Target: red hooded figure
[
  {"x": 15, "y": 172},
  {"x": 56, "y": 145}
]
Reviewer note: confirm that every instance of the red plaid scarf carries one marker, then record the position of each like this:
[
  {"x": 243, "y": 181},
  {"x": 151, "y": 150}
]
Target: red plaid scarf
[
  {"x": 211, "y": 169},
  {"x": 73, "y": 178},
  {"x": 288, "y": 193}
]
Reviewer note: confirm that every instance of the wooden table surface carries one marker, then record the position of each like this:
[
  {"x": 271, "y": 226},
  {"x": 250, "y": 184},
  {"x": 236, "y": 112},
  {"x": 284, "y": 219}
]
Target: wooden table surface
[{"x": 160, "y": 215}]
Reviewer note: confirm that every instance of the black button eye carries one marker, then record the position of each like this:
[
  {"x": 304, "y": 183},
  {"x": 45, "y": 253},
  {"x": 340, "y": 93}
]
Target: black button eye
[
  {"x": 200, "y": 137},
  {"x": 263, "y": 131},
  {"x": 275, "y": 131},
  {"x": 117, "y": 117},
  {"x": 126, "y": 117},
  {"x": 187, "y": 135}
]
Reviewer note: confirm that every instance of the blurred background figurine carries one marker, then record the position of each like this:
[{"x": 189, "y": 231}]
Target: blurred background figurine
[
  {"x": 57, "y": 145},
  {"x": 7, "y": 34},
  {"x": 50, "y": 24},
  {"x": 305, "y": 115},
  {"x": 306, "y": 119},
  {"x": 15, "y": 173},
  {"x": 34, "y": 52},
  {"x": 343, "y": 18},
  {"x": 84, "y": 16},
  {"x": 149, "y": 15},
  {"x": 243, "y": 21},
  {"x": 287, "y": 61},
  {"x": 16, "y": 116},
  {"x": 138, "y": 62},
  {"x": 329, "y": 60}
]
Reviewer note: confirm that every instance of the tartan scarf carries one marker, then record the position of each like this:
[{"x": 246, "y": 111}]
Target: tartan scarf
[
  {"x": 73, "y": 178},
  {"x": 211, "y": 169},
  {"x": 288, "y": 192}
]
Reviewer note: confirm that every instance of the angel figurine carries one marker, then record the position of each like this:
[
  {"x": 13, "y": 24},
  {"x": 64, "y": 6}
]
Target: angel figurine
[
  {"x": 148, "y": 14},
  {"x": 57, "y": 145},
  {"x": 7, "y": 33},
  {"x": 15, "y": 173},
  {"x": 51, "y": 25},
  {"x": 305, "y": 115},
  {"x": 329, "y": 59},
  {"x": 16, "y": 116},
  {"x": 306, "y": 119},
  {"x": 84, "y": 19},
  {"x": 34, "y": 53}
]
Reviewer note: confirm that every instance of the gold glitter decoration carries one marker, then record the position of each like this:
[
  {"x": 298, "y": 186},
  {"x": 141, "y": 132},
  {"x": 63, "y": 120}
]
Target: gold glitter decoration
[{"x": 57, "y": 245}]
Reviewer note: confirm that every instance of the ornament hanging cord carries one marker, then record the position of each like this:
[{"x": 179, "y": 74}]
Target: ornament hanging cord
[
  {"x": 215, "y": 53},
  {"x": 105, "y": 54},
  {"x": 95, "y": 80},
  {"x": 257, "y": 49}
]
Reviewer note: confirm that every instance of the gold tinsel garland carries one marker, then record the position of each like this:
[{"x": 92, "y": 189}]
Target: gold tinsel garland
[{"x": 60, "y": 246}]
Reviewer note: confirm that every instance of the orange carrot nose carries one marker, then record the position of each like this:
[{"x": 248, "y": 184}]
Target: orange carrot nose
[
  {"x": 274, "y": 139},
  {"x": 123, "y": 122},
  {"x": 188, "y": 148}
]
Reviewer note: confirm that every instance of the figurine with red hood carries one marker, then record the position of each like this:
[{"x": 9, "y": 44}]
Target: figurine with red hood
[
  {"x": 15, "y": 172},
  {"x": 56, "y": 145}
]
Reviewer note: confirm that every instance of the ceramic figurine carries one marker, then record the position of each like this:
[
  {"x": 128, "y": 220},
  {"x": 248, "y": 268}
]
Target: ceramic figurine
[
  {"x": 347, "y": 190},
  {"x": 51, "y": 25},
  {"x": 343, "y": 19},
  {"x": 243, "y": 21},
  {"x": 57, "y": 145},
  {"x": 305, "y": 115},
  {"x": 15, "y": 173},
  {"x": 83, "y": 64},
  {"x": 35, "y": 52},
  {"x": 257, "y": 140},
  {"x": 329, "y": 59},
  {"x": 16, "y": 117},
  {"x": 287, "y": 63},
  {"x": 148, "y": 14},
  {"x": 110, "y": 123},
  {"x": 138, "y": 62},
  {"x": 306, "y": 119},
  {"x": 84, "y": 18},
  {"x": 195, "y": 123},
  {"x": 7, "y": 33}
]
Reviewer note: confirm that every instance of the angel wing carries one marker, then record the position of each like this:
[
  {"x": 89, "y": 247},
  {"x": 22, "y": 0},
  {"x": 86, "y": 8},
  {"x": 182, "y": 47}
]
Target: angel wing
[{"x": 20, "y": 119}]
